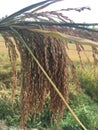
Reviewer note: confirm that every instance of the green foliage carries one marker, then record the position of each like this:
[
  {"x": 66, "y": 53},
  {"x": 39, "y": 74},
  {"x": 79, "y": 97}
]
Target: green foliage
[
  {"x": 87, "y": 115},
  {"x": 5, "y": 78},
  {"x": 83, "y": 106},
  {"x": 12, "y": 115},
  {"x": 42, "y": 119},
  {"x": 89, "y": 82},
  {"x": 86, "y": 110},
  {"x": 9, "y": 114}
]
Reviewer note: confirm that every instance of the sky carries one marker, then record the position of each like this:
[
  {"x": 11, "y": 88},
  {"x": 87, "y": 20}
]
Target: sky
[{"x": 8, "y": 7}]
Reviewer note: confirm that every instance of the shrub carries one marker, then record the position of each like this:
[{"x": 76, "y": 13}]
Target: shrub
[{"x": 9, "y": 114}]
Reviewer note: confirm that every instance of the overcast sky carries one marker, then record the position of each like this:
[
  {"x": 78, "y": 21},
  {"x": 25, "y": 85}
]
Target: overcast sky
[{"x": 8, "y": 7}]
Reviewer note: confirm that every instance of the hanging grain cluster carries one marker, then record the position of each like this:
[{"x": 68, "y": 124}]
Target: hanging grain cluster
[{"x": 51, "y": 54}]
